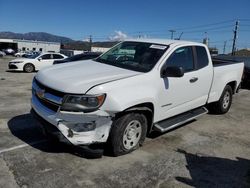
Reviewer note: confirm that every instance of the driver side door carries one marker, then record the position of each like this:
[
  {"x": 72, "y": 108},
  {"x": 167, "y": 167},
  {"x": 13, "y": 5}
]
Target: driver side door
[{"x": 179, "y": 94}]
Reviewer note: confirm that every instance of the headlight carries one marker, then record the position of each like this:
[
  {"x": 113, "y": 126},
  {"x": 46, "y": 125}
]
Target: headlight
[{"x": 85, "y": 103}]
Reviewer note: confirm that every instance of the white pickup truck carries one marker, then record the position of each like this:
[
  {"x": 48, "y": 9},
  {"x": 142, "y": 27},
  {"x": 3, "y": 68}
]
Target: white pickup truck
[{"x": 137, "y": 87}]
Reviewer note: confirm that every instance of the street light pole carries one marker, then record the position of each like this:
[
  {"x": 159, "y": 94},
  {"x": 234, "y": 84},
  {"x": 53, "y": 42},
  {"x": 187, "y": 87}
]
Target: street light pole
[{"x": 172, "y": 33}]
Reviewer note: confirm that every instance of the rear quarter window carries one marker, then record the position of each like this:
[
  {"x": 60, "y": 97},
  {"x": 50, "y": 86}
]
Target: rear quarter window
[
  {"x": 202, "y": 58},
  {"x": 57, "y": 56}
]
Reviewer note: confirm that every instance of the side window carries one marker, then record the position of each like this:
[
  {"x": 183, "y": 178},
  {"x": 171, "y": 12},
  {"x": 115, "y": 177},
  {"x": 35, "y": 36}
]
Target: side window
[
  {"x": 182, "y": 57},
  {"x": 57, "y": 56},
  {"x": 46, "y": 56},
  {"x": 202, "y": 58}
]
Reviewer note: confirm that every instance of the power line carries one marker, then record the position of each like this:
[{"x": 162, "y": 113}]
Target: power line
[
  {"x": 210, "y": 29},
  {"x": 205, "y": 28},
  {"x": 204, "y": 25},
  {"x": 244, "y": 19},
  {"x": 187, "y": 28}
]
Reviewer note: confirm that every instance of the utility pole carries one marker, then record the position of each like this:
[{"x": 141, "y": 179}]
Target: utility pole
[
  {"x": 90, "y": 42},
  {"x": 139, "y": 36},
  {"x": 206, "y": 40},
  {"x": 235, "y": 37},
  {"x": 224, "y": 47},
  {"x": 172, "y": 33}
]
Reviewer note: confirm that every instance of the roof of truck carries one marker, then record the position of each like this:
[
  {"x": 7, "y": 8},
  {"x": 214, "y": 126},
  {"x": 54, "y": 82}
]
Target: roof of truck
[{"x": 164, "y": 41}]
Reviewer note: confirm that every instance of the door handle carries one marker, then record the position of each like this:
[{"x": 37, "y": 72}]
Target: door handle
[{"x": 194, "y": 79}]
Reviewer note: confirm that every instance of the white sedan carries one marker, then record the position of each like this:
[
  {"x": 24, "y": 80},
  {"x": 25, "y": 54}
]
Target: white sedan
[
  {"x": 19, "y": 54},
  {"x": 35, "y": 62}
]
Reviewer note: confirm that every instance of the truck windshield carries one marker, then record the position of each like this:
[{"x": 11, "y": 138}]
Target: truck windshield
[{"x": 137, "y": 56}]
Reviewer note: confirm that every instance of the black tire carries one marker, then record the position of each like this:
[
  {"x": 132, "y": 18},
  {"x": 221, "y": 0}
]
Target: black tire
[
  {"x": 29, "y": 68},
  {"x": 223, "y": 105},
  {"x": 120, "y": 125}
]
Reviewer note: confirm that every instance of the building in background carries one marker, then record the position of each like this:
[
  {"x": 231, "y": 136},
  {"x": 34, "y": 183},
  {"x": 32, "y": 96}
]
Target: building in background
[
  {"x": 214, "y": 51},
  {"x": 70, "y": 53},
  {"x": 29, "y": 45},
  {"x": 99, "y": 49}
]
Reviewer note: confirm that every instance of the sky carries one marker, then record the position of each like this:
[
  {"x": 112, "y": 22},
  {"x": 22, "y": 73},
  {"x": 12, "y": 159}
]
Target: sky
[{"x": 105, "y": 20}]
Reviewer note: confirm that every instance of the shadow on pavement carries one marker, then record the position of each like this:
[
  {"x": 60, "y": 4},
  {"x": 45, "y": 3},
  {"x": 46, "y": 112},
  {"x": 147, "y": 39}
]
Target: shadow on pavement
[
  {"x": 207, "y": 171},
  {"x": 245, "y": 86},
  {"x": 27, "y": 128}
]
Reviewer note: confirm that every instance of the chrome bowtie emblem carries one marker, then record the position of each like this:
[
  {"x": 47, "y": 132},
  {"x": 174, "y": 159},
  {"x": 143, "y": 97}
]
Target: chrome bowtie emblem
[{"x": 40, "y": 93}]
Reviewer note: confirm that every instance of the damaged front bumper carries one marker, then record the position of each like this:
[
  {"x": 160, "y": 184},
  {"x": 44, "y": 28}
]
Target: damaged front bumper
[{"x": 77, "y": 128}]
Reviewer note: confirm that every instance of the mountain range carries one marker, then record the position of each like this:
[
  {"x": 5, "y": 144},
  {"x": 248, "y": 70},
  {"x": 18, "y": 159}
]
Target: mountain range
[
  {"x": 67, "y": 43},
  {"x": 39, "y": 36}
]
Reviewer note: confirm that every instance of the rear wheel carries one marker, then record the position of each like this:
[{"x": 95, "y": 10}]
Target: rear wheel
[
  {"x": 128, "y": 133},
  {"x": 28, "y": 68},
  {"x": 223, "y": 105}
]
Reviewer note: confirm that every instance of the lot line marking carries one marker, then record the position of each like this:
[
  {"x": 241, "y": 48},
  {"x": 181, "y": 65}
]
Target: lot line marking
[{"x": 22, "y": 146}]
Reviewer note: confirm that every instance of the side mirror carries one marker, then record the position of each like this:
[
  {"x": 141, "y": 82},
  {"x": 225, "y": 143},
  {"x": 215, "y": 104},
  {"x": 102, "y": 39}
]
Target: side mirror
[
  {"x": 172, "y": 72},
  {"x": 39, "y": 59}
]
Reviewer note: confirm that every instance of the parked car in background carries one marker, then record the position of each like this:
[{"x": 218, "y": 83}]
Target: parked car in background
[
  {"x": 34, "y": 62},
  {"x": 9, "y": 51},
  {"x": 122, "y": 99},
  {"x": 31, "y": 54},
  {"x": 78, "y": 57},
  {"x": 19, "y": 54},
  {"x": 2, "y": 54}
]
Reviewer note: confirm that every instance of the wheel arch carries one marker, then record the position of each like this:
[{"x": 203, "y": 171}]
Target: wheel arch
[
  {"x": 146, "y": 108},
  {"x": 233, "y": 85}
]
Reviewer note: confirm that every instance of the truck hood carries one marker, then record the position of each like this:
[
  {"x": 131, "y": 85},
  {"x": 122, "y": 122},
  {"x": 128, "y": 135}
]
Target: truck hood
[{"x": 78, "y": 77}]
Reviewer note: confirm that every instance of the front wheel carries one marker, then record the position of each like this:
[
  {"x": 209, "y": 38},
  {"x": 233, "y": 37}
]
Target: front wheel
[
  {"x": 128, "y": 133},
  {"x": 28, "y": 68},
  {"x": 223, "y": 105}
]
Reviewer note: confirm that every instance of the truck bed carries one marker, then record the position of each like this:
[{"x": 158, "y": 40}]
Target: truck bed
[
  {"x": 219, "y": 61},
  {"x": 225, "y": 71}
]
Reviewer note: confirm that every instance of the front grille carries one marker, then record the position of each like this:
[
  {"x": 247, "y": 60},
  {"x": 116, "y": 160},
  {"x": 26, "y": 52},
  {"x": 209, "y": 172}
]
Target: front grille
[
  {"x": 48, "y": 104},
  {"x": 49, "y": 90},
  {"x": 12, "y": 67},
  {"x": 45, "y": 102}
]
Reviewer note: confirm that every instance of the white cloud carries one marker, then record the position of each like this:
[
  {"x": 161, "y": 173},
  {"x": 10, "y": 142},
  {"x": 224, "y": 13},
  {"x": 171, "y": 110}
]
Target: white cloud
[{"x": 119, "y": 35}]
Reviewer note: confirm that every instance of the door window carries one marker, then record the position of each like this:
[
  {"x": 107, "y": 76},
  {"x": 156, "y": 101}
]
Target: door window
[
  {"x": 202, "y": 58},
  {"x": 182, "y": 57},
  {"x": 57, "y": 56},
  {"x": 46, "y": 56}
]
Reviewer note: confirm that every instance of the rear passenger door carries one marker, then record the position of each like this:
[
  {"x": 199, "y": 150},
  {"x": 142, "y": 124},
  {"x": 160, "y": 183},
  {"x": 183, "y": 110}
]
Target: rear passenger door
[{"x": 178, "y": 95}]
